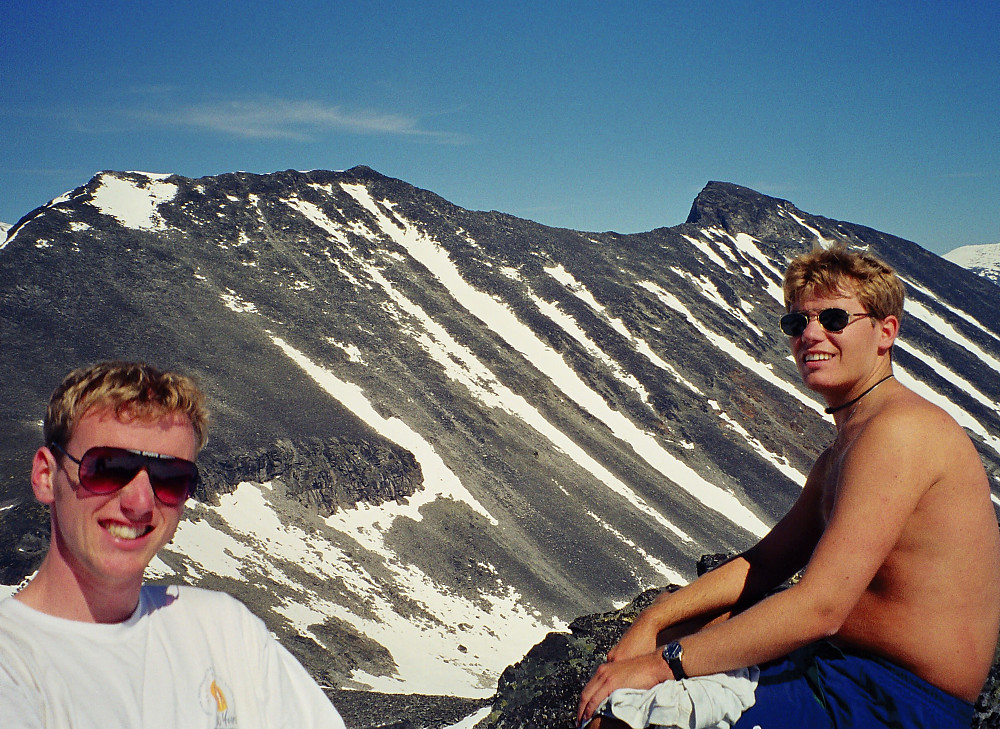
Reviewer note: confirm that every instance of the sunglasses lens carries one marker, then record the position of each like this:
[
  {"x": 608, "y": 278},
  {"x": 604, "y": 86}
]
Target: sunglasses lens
[
  {"x": 173, "y": 480},
  {"x": 104, "y": 470},
  {"x": 793, "y": 323},
  {"x": 834, "y": 320}
]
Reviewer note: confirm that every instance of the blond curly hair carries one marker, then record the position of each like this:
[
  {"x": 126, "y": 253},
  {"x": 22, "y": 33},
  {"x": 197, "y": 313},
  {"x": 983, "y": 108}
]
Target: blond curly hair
[
  {"x": 129, "y": 389},
  {"x": 839, "y": 270}
]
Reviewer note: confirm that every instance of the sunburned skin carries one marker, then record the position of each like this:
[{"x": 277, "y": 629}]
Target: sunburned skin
[{"x": 926, "y": 570}]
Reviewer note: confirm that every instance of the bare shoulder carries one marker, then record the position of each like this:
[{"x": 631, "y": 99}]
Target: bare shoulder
[
  {"x": 919, "y": 448},
  {"x": 911, "y": 444},
  {"x": 907, "y": 420}
]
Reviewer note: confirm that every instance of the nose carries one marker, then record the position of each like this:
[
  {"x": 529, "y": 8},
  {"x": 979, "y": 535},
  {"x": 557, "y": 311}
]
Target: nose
[
  {"x": 814, "y": 330},
  {"x": 137, "y": 498}
]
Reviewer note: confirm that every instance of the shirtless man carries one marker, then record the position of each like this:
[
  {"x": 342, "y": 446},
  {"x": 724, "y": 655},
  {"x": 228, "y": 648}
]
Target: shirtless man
[
  {"x": 894, "y": 528},
  {"x": 86, "y": 643}
]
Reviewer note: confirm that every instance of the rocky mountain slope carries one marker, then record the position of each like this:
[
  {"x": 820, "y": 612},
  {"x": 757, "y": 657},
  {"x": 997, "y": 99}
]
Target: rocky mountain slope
[{"x": 440, "y": 434}]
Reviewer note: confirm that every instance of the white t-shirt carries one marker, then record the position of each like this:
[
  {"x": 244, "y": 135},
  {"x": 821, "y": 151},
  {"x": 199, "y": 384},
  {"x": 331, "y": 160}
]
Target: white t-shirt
[{"x": 186, "y": 659}]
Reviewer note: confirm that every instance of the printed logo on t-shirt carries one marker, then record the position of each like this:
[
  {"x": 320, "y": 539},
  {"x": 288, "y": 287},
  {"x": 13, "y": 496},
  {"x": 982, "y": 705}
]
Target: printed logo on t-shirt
[{"x": 215, "y": 698}]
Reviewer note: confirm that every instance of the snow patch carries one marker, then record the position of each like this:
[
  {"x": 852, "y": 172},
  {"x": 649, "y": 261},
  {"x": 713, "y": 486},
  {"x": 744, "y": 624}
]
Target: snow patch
[
  {"x": 975, "y": 256},
  {"x": 133, "y": 204},
  {"x": 459, "y": 647},
  {"x": 233, "y": 301}
]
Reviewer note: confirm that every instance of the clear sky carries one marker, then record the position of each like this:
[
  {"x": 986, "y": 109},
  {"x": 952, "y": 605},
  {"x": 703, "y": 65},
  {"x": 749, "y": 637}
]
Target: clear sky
[{"x": 587, "y": 115}]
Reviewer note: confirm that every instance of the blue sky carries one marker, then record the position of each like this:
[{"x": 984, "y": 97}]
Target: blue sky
[{"x": 587, "y": 115}]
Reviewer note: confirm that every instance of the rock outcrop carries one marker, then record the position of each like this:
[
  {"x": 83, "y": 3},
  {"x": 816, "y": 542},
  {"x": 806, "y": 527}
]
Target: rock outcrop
[{"x": 325, "y": 475}]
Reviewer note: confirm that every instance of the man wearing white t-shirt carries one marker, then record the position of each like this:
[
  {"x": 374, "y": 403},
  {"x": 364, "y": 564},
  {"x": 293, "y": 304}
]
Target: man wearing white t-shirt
[{"x": 85, "y": 643}]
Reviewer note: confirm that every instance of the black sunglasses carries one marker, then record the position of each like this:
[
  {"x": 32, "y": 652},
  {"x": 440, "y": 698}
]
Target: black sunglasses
[
  {"x": 104, "y": 470},
  {"x": 833, "y": 320}
]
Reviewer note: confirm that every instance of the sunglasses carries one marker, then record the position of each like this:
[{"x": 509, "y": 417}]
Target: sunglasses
[
  {"x": 833, "y": 320},
  {"x": 104, "y": 470}
]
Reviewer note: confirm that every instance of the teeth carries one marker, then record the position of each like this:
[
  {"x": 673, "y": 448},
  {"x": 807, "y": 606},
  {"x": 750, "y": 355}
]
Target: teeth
[
  {"x": 817, "y": 357},
  {"x": 124, "y": 531}
]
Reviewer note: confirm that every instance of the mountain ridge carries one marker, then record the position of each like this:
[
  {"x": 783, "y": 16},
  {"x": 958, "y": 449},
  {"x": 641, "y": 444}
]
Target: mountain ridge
[{"x": 555, "y": 420}]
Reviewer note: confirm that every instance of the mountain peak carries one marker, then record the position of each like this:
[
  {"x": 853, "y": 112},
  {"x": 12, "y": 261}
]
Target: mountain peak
[{"x": 736, "y": 208}]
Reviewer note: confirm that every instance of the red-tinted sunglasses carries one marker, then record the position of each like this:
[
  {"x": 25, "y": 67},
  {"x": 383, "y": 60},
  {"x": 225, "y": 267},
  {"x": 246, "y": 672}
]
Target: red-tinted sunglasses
[{"x": 104, "y": 470}]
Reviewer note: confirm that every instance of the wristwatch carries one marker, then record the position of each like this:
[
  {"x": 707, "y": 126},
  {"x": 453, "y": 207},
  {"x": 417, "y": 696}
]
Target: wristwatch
[{"x": 672, "y": 654}]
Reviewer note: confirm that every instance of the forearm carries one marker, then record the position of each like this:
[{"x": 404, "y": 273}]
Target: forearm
[
  {"x": 731, "y": 587},
  {"x": 713, "y": 594},
  {"x": 720, "y": 618},
  {"x": 636, "y": 661},
  {"x": 769, "y": 629},
  {"x": 687, "y": 610}
]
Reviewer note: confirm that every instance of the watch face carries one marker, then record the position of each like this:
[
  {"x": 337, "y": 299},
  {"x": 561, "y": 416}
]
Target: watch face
[{"x": 672, "y": 651}]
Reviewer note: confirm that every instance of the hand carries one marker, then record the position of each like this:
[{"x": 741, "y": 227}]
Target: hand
[{"x": 641, "y": 672}]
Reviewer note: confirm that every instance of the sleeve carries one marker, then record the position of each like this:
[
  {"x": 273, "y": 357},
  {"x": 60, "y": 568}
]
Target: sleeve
[
  {"x": 290, "y": 697},
  {"x": 302, "y": 703}
]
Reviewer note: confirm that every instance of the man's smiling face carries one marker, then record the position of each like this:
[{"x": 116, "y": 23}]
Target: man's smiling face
[
  {"x": 109, "y": 539},
  {"x": 833, "y": 362}
]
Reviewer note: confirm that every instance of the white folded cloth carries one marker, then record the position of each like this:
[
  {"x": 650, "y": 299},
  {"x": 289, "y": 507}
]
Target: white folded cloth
[{"x": 700, "y": 702}]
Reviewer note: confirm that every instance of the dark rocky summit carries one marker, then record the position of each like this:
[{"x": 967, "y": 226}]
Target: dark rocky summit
[{"x": 544, "y": 688}]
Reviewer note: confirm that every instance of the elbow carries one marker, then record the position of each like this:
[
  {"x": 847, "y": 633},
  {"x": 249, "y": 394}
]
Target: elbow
[
  {"x": 823, "y": 616},
  {"x": 827, "y": 626}
]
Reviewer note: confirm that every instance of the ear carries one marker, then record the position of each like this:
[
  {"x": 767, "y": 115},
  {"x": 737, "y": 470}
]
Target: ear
[
  {"x": 43, "y": 472},
  {"x": 888, "y": 331}
]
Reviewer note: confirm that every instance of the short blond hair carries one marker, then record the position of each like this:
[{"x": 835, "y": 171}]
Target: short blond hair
[
  {"x": 129, "y": 389},
  {"x": 839, "y": 270}
]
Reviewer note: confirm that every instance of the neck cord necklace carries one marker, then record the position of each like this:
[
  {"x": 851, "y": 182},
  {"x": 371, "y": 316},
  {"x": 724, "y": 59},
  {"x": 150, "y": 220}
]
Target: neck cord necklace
[{"x": 831, "y": 411}]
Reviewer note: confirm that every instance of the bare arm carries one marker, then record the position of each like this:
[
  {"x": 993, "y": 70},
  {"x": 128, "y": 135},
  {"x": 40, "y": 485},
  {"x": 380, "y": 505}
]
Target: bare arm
[
  {"x": 876, "y": 493},
  {"x": 734, "y": 585},
  {"x": 714, "y": 596}
]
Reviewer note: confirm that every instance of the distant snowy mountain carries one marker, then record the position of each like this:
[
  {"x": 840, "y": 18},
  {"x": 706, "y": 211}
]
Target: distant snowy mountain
[
  {"x": 4, "y": 227},
  {"x": 438, "y": 433},
  {"x": 983, "y": 260}
]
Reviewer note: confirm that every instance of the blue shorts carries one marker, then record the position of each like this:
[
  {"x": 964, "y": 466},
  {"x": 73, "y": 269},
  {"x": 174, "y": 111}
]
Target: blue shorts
[{"x": 822, "y": 686}]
